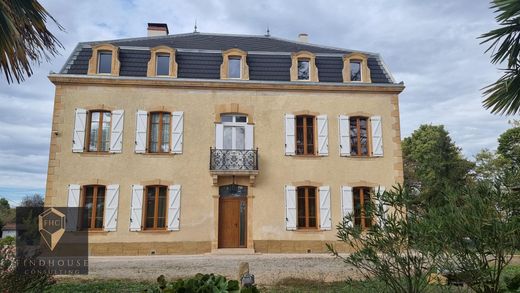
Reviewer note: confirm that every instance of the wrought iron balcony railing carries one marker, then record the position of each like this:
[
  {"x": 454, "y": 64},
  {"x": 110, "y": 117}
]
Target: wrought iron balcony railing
[{"x": 233, "y": 160}]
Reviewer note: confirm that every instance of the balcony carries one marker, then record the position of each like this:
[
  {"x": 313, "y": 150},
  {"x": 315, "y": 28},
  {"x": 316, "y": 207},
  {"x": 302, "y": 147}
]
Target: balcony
[{"x": 233, "y": 162}]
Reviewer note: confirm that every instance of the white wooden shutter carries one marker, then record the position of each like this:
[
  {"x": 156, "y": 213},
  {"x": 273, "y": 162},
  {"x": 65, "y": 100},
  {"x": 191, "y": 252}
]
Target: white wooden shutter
[
  {"x": 174, "y": 207},
  {"x": 116, "y": 133},
  {"x": 377, "y": 136},
  {"x": 325, "y": 215},
  {"x": 380, "y": 190},
  {"x": 73, "y": 207},
  {"x": 344, "y": 135},
  {"x": 141, "y": 119},
  {"x": 323, "y": 135},
  {"x": 290, "y": 138},
  {"x": 177, "y": 132},
  {"x": 111, "y": 207},
  {"x": 219, "y": 136},
  {"x": 290, "y": 207},
  {"x": 78, "y": 139},
  {"x": 136, "y": 212},
  {"x": 249, "y": 137},
  {"x": 347, "y": 201}
]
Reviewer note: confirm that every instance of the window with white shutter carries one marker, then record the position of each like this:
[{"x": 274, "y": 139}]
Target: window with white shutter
[
  {"x": 111, "y": 207},
  {"x": 177, "y": 132},
  {"x": 136, "y": 212},
  {"x": 78, "y": 139},
  {"x": 73, "y": 204},
  {"x": 347, "y": 201},
  {"x": 380, "y": 190},
  {"x": 377, "y": 136},
  {"x": 116, "y": 134},
  {"x": 290, "y": 138},
  {"x": 249, "y": 137},
  {"x": 290, "y": 207},
  {"x": 325, "y": 214},
  {"x": 323, "y": 135},
  {"x": 219, "y": 136},
  {"x": 174, "y": 207},
  {"x": 344, "y": 135},
  {"x": 141, "y": 118}
]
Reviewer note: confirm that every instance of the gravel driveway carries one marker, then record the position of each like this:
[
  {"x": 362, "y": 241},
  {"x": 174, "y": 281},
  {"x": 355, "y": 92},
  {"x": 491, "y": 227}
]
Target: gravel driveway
[{"x": 267, "y": 268}]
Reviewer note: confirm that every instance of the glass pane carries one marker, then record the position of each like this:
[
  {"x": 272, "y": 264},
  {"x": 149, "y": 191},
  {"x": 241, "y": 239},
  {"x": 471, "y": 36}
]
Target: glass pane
[
  {"x": 303, "y": 69},
  {"x": 154, "y": 132},
  {"x": 366, "y": 203},
  {"x": 100, "y": 207},
  {"x": 105, "y": 135},
  {"x": 355, "y": 71},
  {"x": 228, "y": 138},
  {"x": 163, "y": 64},
  {"x": 94, "y": 131},
  {"x": 232, "y": 190},
  {"x": 227, "y": 118},
  {"x": 301, "y": 208},
  {"x": 150, "y": 207},
  {"x": 234, "y": 67},
  {"x": 165, "y": 137},
  {"x": 240, "y": 138},
  {"x": 353, "y": 137},
  {"x": 105, "y": 62},
  {"x": 242, "y": 223},
  {"x": 161, "y": 213},
  {"x": 241, "y": 119},
  {"x": 310, "y": 135},
  {"x": 299, "y": 135},
  {"x": 363, "y": 134},
  {"x": 87, "y": 211},
  {"x": 357, "y": 207}
]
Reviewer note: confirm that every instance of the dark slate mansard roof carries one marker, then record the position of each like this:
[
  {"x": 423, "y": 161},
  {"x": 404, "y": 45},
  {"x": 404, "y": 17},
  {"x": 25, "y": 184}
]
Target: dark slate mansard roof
[{"x": 199, "y": 56}]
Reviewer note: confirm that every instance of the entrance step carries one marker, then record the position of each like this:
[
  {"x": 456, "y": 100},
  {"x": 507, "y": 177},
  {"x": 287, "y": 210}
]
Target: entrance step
[{"x": 233, "y": 251}]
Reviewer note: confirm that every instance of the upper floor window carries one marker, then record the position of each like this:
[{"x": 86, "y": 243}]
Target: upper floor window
[
  {"x": 362, "y": 217},
  {"x": 155, "y": 207},
  {"x": 305, "y": 135},
  {"x": 163, "y": 65},
  {"x": 303, "y": 69},
  {"x": 234, "y": 131},
  {"x": 307, "y": 207},
  {"x": 359, "y": 136},
  {"x": 99, "y": 131},
  {"x": 355, "y": 70},
  {"x": 234, "y": 65},
  {"x": 93, "y": 203},
  {"x": 159, "y": 136},
  {"x": 104, "y": 62}
]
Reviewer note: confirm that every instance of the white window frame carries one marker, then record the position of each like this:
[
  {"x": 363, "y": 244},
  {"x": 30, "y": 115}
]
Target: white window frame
[
  {"x": 234, "y": 124},
  {"x": 239, "y": 67},
  {"x": 99, "y": 60}
]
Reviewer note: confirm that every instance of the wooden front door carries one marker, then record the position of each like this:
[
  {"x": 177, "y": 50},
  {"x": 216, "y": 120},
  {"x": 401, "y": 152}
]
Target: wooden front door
[{"x": 232, "y": 222}]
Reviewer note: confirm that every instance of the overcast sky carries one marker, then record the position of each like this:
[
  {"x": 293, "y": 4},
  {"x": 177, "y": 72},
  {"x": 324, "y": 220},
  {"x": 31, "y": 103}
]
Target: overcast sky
[{"x": 430, "y": 45}]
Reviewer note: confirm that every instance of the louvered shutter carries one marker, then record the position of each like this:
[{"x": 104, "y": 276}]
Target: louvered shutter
[
  {"x": 136, "y": 212},
  {"x": 325, "y": 215},
  {"x": 377, "y": 136},
  {"x": 73, "y": 207},
  {"x": 111, "y": 207},
  {"x": 290, "y": 207},
  {"x": 219, "y": 136},
  {"x": 290, "y": 138},
  {"x": 141, "y": 119},
  {"x": 249, "y": 137},
  {"x": 116, "y": 133},
  {"x": 380, "y": 190},
  {"x": 78, "y": 139},
  {"x": 174, "y": 207},
  {"x": 323, "y": 135},
  {"x": 344, "y": 135},
  {"x": 177, "y": 132},
  {"x": 347, "y": 201}
]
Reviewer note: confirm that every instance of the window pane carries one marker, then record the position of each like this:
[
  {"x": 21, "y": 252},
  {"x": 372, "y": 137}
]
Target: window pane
[
  {"x": 301, "y": 207},
  {"x": 366, "y": 202},
  {"x": 234, "y": 67},
  {"x": 240, "y": 138},
  {"x": 105, "y": 135},
  {"x": 310, "y": 135},
  {"x": 241, "y": 119},
  {"x": 105, "y": 62},
  {"x": 154, "y": 132},
  {"x": 363, "y": 133},
  {"x": 357, "y": 207},
  {"x": 87, "y": 215},
  {"x": 228, "y": 137},
  {"x": 100, "y": 207},
  {"x": 353, "y": 137},
  {"x": 299, "y": 135},
  {"x": 150, "y": 207},
  {"x": 355, "y": 71},
  {"x": 312, "y": 206},
  {"x": 163, "y": 64},
  {"x": 303, "y": 69},
  {"x": 227, "y": 118},
  {"x": 94, "y": 130},
  {"x": 161, "y": 212},
  {"x": 165, "y": 137}
]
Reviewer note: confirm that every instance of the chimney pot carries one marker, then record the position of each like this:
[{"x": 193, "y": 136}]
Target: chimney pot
[
  {"x": 157, "y": 29},
  {"x": 303, "y": 37}
]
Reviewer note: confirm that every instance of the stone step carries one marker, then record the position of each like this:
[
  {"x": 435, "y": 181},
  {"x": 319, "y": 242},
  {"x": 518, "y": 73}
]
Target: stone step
[{"x": 233, "y": 251}]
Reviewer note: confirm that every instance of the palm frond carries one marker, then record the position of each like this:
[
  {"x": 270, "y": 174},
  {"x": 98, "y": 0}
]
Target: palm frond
[{"x": 503, "y": 96}]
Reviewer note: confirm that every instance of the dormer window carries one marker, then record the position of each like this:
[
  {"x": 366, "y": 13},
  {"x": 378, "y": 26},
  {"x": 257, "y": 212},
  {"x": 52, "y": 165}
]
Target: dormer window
[
  {"x": 104, "y": 62},
  {"x": 163, "y": 65},
  {"x": 355, "y": 70},
  {"x": 303, "y": 69},
  {"x": 234, "y": 65}
]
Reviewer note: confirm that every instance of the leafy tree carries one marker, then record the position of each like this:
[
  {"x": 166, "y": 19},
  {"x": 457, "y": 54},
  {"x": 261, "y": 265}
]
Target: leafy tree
[
  {"x": 7, "y": 214},
  {"x": 433, "y": 163},
  {"x": 4, "y": 204},
  {"x": 503, "y": 96},
  {"x": 24, "y": 38},
  {"x": 489, "y": 165},
  {"x": 35, "y": 200},
  {"x": 509, "y": 146}
]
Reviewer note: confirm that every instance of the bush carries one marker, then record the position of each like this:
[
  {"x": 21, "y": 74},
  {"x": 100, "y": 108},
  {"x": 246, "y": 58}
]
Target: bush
[
  {"x": 9, "y": 240},
  {"x": 199, "y": 283}
]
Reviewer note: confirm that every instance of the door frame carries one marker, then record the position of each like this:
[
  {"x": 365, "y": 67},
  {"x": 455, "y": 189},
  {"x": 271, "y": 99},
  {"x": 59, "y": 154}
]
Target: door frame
[{"x": 243, "y": 200}]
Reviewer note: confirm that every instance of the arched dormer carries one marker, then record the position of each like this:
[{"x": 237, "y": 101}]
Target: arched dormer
[
  {"x": 104, "y": 60},
  {"x": 303, "y": 67},
  {"x": 162, "y": 62},
  {"x": 234, "y": 65},
  {"x": 355, "y": 68}
]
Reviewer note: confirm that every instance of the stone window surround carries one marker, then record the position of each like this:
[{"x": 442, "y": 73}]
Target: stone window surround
[
  {"x": 152, "y": 64},
  {"x": 244, "y": 68},
  {"x": 93, "y": 61},
  {"x": 233, "y": 108},
  {"x": 365, "y": 71},
  {"x": 313, "y": 70}
]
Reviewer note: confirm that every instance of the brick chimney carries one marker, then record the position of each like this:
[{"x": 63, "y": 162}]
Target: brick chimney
[
  {"x": 157, "y": 29},
  {"x": 303, "y": 37}
]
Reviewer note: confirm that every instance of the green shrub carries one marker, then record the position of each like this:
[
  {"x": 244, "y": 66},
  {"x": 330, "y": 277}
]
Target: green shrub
[
  {"x": 199, "y": 283},
  {"x": 9, "y": 240}
]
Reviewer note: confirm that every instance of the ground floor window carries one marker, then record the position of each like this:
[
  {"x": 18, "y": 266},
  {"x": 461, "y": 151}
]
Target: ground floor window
[
  {"x": 362, "y": 218},
  {"x": 155, "y": 207},
  {"x": 306, "y": 207},
  {"x": 93, "y": 204}
]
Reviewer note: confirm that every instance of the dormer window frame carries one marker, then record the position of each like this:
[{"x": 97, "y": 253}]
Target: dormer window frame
[
  {"x": 93, "y": 64},
  {"x": 313, "y": 69},
  {"x": 365, "y": 71},
  {"x": 234, "y": 53},
  {"x": 152, "y": 64}
]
